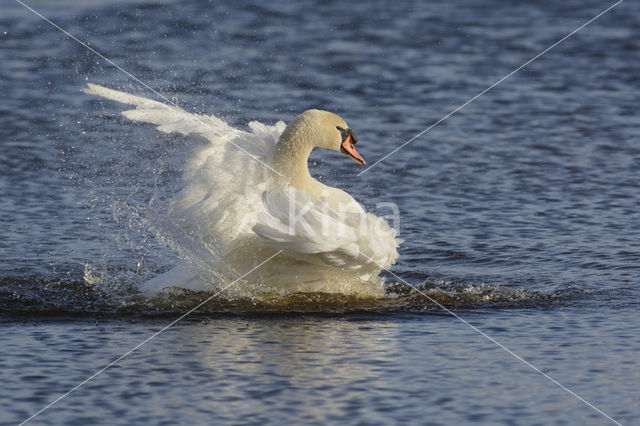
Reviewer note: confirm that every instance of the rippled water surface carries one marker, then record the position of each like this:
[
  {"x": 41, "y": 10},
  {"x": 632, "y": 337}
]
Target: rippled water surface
[{"x": 520, "y": 214}]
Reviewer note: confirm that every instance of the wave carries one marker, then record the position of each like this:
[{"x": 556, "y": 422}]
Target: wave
[{"x": 119, "y": 296}]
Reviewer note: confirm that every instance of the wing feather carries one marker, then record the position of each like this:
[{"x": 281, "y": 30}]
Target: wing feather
[
  {"x": 168, "y": 118},
  {"x": 296, "y": 223}
]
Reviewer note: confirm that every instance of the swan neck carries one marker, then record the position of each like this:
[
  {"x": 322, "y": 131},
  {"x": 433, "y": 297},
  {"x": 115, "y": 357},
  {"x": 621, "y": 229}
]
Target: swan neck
[
  {"x": 293, "y": 149},
  {"x": 292, "y": 161}
]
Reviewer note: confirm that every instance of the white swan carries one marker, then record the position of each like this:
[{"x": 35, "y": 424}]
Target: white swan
[{"x": 248, "y": 195}]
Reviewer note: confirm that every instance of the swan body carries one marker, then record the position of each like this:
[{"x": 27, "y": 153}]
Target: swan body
[{"x": 248, "y": 195}]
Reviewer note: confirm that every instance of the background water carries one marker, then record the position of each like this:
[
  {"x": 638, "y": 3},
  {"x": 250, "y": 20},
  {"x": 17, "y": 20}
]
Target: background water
[{"x": 521, "y": 213}]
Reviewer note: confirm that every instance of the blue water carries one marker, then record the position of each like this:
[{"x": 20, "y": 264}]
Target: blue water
[{"x": 521, "y": 213}]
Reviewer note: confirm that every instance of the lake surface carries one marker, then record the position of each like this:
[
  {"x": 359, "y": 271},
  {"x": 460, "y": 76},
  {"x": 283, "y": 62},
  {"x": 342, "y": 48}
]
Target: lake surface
[{"x": 520, "y": 214}]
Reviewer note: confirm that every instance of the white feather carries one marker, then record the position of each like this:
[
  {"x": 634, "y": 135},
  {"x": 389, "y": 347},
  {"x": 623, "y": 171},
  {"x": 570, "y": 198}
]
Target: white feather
[{"x": 233, "y": 212}]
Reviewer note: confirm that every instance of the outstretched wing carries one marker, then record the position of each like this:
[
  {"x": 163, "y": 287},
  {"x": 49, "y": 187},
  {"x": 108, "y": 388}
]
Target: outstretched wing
[
  {"x": 169, "y": 119},
  {"x": 214, "y": 207},
  {"x": 299, "y": 225}
]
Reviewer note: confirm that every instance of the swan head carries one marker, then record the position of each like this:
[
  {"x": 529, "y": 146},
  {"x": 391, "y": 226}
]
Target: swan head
[{"x": 323, "y": 129}]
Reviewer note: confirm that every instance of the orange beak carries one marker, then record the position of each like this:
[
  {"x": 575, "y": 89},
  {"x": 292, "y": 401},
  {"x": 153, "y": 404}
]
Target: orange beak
[{"x": 349, "y": 150}]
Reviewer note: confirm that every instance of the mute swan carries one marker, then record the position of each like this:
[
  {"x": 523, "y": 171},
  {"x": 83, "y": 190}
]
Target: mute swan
[{"x": 248, "y": 195}]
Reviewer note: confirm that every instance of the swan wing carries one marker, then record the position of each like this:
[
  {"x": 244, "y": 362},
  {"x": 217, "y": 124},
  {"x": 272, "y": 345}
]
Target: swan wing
[
  {"x": 309, "y": 229},
  {"x": 171, "y": 119},
  {"x": 214, "y": 208},
  {"x": 221, "y": 197}
]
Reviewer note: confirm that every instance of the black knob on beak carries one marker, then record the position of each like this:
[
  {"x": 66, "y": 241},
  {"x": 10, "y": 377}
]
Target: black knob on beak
[{"x": 346, "y": 133}]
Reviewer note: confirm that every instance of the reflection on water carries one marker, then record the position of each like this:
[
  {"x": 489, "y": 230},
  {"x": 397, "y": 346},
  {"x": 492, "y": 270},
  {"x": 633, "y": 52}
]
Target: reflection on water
[
  {"x": 300, "y": 350},
  {"x": 292, "y": 369}
]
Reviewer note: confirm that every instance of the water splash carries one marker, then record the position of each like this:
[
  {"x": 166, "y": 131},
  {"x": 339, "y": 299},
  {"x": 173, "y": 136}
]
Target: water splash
[{"x": 118, "y": 294}]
